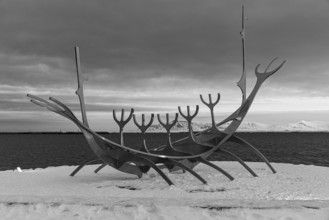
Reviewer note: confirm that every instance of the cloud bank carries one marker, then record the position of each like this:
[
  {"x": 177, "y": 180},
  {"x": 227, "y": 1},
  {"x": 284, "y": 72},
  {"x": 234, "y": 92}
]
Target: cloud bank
[{"x": 159, "y": 54}]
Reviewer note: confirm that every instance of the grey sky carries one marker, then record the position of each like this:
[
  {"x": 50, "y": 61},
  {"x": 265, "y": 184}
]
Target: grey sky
[{"x": 157, "y": 54}]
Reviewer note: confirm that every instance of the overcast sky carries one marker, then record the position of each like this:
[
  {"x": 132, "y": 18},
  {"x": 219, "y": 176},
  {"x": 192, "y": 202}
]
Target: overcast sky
[{"x": 154, "y": 55}]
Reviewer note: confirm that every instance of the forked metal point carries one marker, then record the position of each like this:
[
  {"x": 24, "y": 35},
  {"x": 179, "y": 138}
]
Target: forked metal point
[
  {"x": 211, "y": 106},
  {"x": 142, "y": 127},
  {"x": 122, "y": 123},
  {"x": 188, "y": 117},
  {"x": 168, "y": 126}
]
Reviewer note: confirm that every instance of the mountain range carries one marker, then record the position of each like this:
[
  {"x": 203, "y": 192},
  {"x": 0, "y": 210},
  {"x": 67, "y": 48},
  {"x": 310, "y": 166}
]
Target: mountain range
[{"x": 301, "y": 126}]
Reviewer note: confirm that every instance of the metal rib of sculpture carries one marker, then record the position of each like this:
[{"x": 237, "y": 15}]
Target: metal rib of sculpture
[{"x": 184, "y": 153}]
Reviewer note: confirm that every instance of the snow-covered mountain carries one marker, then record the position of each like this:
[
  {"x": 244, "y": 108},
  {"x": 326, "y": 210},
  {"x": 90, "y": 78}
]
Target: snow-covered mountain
[
  {"x": 301, "y": 126},
  {"x": 306, "y": 126},
  {"x": 180, "y": 126}
]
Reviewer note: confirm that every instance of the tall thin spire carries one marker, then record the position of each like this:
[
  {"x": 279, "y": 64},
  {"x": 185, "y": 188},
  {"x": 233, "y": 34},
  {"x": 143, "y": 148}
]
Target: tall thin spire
[
  {"x": 242, "y": 82},
  {"x": 79, "y": 92}
]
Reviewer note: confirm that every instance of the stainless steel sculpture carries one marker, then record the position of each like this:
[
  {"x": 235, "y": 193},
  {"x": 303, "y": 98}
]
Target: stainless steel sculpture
[{"x": 182, "y": 154}]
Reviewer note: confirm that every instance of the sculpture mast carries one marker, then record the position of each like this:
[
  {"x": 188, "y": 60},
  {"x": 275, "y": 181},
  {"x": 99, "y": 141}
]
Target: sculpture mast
[
  {"x": 242, "y": 82},
  {"x": 79, "y": 92}
]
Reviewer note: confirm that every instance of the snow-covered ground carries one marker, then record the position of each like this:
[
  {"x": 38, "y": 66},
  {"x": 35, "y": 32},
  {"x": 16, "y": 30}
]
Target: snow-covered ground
[{"x": 295, "y": 192}]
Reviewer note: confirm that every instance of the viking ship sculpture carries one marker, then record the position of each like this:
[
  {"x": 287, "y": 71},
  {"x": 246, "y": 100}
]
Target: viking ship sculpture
[{"x": 184, "y": 153}]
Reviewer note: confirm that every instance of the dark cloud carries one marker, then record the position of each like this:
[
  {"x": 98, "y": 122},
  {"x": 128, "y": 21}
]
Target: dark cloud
[{"x": 155, "y": 38}]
